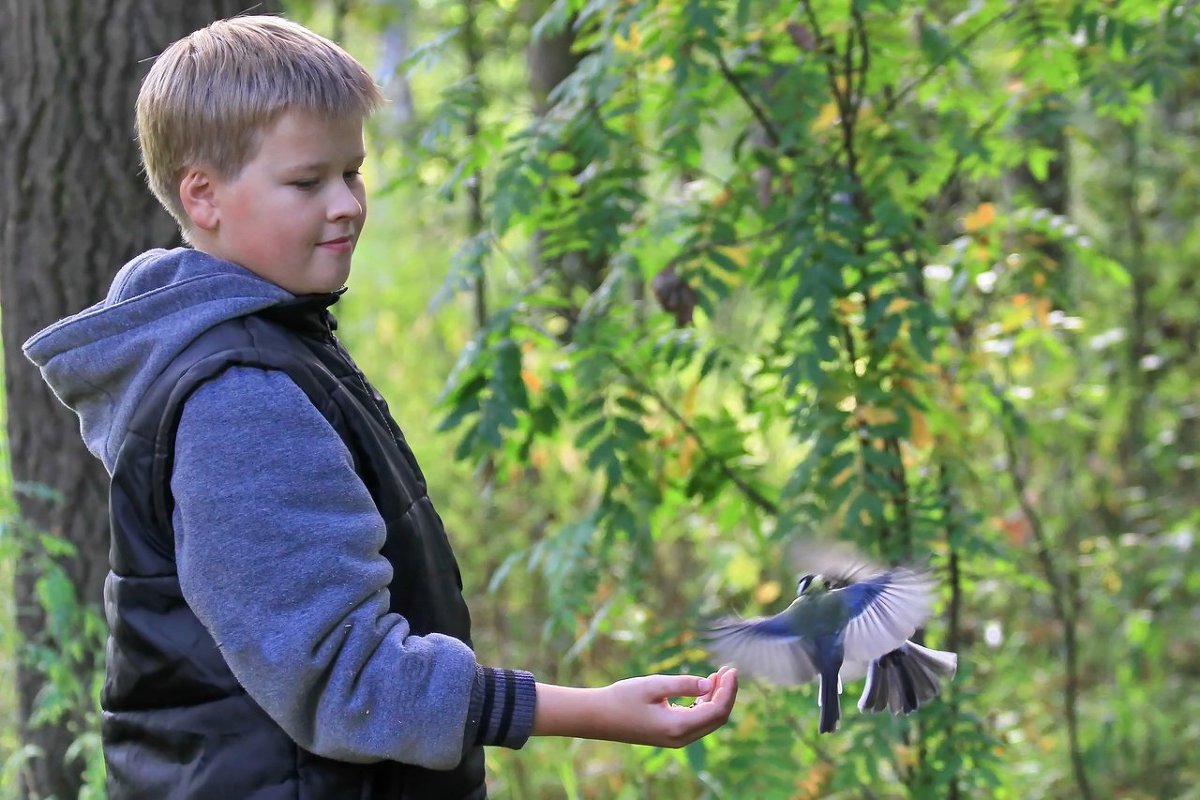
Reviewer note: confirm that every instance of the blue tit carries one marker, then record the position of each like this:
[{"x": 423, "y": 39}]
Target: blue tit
[{"x": 849, "y": 620}]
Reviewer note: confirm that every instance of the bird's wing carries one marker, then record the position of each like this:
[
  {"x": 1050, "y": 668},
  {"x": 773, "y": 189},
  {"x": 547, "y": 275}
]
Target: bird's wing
[
  {"x": 763, "y": 647},
  {"x": 852, "y": 670},
  {"x": 885, "y": 610},
  {"x": 838, "y": 563}
]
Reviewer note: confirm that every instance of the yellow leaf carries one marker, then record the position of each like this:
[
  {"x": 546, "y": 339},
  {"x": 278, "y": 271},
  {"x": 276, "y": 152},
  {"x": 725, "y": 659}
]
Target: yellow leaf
[
  {"x": 739, "y": 254},
  {"x": 629, "y": 43},
  {"x": 875, "y": 415},
  {"x": 1041, "y": 310},
  {"x": 847, "y": 306},
  {"x": 689, "y": 400},
  {"x": 814, "y": 783},
  {"x": 532, "y": 381},
  {"x": 1112, "y": 581},
  {"x": 828, "y": 117},
  {"x": 1015, "y": 527},
  {"x": 898, "y": 304},
  {"x": 686, "y": 452},
  {"x": 980, "y": 218},
  {"x": 920, "y": 436},
  {"x": 842, "y": 476},
  {"x": 767, "y": 593},
  {"x": 742, "y": 571}
]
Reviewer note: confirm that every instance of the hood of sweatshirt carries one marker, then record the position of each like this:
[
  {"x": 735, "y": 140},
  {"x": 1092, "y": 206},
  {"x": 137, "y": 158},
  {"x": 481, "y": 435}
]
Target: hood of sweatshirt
[{"x": 101, "y": 361}]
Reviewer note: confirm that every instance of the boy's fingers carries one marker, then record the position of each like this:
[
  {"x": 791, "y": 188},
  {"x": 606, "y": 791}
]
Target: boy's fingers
[
  {"x": 725, "y": 693},
  {"x": 711, "y": 711},
  {"x": 715, "y": 680},
  {"x": 681, "y": 685}
]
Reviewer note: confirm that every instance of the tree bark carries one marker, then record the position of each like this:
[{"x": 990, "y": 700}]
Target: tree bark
[
  {"x": 73, "y": 208},
  {"x": 550, "y": 59}
]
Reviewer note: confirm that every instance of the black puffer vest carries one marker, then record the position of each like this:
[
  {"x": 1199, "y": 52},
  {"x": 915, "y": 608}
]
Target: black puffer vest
[{"x": 176, "y": 724}]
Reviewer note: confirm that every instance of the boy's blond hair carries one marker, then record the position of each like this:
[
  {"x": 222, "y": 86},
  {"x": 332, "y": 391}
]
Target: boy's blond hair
[{"x": 210, "y": 94}]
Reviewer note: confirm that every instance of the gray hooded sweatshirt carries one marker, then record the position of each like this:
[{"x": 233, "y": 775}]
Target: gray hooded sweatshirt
[{"x": 276, "y": 537}]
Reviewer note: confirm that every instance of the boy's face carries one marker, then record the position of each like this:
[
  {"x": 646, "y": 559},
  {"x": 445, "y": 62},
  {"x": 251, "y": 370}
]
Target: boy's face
[{"x": 293, "y": 213}]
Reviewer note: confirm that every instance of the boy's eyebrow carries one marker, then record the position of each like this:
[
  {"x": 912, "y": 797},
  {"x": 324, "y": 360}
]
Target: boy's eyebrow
[{"x": 319, "y": 165}]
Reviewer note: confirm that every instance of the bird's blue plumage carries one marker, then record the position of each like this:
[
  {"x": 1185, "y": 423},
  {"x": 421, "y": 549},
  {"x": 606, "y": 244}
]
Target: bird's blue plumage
[
  {"x": 851, "y": 618},
  {"x": 779, "y": 626},
  {"x": 860, "y": 596}
]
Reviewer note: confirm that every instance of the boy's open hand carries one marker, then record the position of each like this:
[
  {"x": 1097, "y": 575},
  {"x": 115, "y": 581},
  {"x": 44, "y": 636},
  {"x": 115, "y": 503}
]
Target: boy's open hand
[{"x": 637, "y": 710}]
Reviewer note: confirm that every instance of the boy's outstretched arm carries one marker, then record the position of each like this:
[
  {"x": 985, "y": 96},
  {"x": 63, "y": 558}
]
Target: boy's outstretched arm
[{"x": 636, "y": 710}]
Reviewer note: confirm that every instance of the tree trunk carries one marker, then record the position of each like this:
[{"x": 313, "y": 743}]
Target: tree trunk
[
  {"x": 550, "y": 59},
  {"x": 73, "y": 208}
]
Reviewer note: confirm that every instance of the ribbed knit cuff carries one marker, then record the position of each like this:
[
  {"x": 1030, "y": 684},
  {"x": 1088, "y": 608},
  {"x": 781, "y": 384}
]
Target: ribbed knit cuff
[{"x": 502, "y": 706}]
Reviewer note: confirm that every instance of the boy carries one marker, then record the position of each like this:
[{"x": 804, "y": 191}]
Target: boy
[{"x": 285, "y": 612}]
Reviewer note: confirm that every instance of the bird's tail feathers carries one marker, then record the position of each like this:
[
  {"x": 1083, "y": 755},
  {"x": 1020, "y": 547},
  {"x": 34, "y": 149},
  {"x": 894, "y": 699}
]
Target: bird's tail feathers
[
  {"x": 828, "y": 698},
  {"x": 903, "y": 679},
  {"x": 941, "y": 663}
]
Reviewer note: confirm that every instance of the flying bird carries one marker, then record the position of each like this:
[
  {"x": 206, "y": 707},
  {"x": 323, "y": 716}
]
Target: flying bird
[{"x": 849, "y": 619}]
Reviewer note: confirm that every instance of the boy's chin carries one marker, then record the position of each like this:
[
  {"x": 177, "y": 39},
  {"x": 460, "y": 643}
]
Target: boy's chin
[{"x": 325, "y": 283}]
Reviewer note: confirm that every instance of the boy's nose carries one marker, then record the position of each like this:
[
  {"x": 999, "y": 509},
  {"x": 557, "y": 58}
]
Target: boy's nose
[{"x": 344, "y": 204}]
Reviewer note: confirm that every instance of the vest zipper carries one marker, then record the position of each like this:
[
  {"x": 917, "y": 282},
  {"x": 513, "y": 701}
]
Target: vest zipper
[{"x": 344, "y": 356}]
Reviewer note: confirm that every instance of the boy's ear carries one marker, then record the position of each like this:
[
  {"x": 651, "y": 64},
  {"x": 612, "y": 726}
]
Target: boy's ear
[{"x": 197, "y": 192}]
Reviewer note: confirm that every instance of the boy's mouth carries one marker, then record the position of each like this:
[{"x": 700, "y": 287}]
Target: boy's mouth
[{"x": 341, "y": 243}]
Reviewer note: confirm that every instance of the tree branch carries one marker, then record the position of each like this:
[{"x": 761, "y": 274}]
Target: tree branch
[
  {"x": 953, "y": 610},
  {"x": 759, "y": 115},
  {"x": 864, "y": 61},
  {"x": 950, "y": 53},
  {"x": 751, "y": 494},
  {"x": 1060, "y": 597}
]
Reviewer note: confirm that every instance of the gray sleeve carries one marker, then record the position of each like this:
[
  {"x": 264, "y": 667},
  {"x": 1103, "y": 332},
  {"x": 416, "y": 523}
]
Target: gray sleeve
[{"x": 278, "y": 548}]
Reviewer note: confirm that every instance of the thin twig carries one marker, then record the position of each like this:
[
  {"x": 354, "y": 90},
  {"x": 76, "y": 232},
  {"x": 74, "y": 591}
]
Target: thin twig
[
  {"x": 864, "y": 61},
  {"x": 1060, "y": 597},
  {"x": 976, "y": 135},
  {"x": 752, "y": 494},
  {"x": 953, "y": 610},
  {"x": 822, "y": 754},
  {"x": 759, "y": 114},
  {"x": 950, "y": 53}
]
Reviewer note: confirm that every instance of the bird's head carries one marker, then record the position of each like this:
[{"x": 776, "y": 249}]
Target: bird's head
[{"x": 806, "y": 583}]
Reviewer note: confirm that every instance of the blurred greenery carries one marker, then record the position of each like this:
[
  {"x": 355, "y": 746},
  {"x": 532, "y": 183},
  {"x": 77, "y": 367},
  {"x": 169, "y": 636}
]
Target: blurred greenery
[{"x": 917, "y": 276}]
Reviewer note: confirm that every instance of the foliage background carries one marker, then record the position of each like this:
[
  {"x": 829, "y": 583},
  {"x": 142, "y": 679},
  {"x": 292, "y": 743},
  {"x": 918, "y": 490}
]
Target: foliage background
[{"x": 920, "y": 277}]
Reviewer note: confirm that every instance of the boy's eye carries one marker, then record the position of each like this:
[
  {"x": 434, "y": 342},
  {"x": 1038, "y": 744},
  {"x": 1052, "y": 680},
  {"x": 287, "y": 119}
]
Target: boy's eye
[
  {"x": 305, "y": 184},
  {"x": 352, "y": 175}
]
